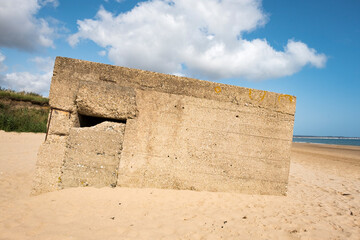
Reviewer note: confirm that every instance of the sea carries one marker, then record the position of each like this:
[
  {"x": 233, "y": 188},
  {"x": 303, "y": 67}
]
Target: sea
[{"x": 354, "y": 141}]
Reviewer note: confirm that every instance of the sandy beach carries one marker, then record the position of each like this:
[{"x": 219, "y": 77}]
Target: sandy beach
[{"x": 323, "y": 202}]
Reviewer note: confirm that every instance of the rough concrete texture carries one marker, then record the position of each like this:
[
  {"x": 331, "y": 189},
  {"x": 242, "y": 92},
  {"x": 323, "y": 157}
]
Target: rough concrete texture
[
  {"x": 180, "y": 133},
  {"x": 92, "y": 155},
  {"x": 106, "y": 100},
  {"x": 49, "y": 163},
  {"x": 204, "y": 144},
  {"x": 61, "y": 122}
]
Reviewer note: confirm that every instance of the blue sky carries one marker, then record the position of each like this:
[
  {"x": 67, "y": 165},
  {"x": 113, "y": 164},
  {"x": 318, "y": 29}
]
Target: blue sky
[{"x": 309, "y": 49}]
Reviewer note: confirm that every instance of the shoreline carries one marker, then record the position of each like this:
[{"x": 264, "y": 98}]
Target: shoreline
[
  {"x": 326, "y": 144},
  {"x": 337, "y": 138}
]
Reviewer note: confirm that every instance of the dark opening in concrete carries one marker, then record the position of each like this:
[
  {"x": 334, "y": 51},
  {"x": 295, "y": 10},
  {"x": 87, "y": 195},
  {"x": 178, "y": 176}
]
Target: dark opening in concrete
[{"x": 89, "y": 121}]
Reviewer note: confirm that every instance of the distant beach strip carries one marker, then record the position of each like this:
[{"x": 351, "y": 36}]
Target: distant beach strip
[{"x": 353, "y": 141}]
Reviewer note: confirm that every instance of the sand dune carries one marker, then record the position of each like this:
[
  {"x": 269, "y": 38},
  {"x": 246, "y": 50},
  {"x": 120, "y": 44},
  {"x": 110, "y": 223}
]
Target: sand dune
[{"x": 323, "y": 202}]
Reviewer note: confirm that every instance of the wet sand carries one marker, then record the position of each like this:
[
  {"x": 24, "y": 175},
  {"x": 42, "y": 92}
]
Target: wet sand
[{"x": 323, "y": 202}]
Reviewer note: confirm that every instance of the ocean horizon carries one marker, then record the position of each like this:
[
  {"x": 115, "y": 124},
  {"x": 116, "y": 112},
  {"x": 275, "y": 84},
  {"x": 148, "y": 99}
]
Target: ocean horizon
[{"x": 334, "y": 140}]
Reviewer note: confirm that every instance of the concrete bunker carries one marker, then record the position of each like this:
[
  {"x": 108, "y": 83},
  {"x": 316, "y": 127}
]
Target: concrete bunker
[{"x": 113, "y": 126}]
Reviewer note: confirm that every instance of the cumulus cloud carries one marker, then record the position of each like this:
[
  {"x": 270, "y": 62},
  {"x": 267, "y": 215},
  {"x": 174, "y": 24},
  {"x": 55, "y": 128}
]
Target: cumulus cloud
[
  {"x": 102, "y": 53},
  {"x": 55, "y": 3},
  {"x": 43, "y": 64},
  {"x": 3, "y": 67},
  {"x": 20, "y": 28},
  {"x": 29, "y": 82},
  {"x": 119, "y": 1},
  {"x": 202, "y": 38},
  {"x": 38, "y": 82}
]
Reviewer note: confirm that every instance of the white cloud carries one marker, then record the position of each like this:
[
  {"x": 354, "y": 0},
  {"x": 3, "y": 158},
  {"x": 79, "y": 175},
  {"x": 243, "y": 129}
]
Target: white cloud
[
  {"x": 25, "y": 81},
  {"x": 2, "y": 66},
  {"x": 43, "y": 64},
  {"x": 102, "y": 53},
  {"x": 205, "y": 36},
  {"x": 38, "y": 82},
  {"x": 19, "y": 26},
  {"x": 55, "y": 3},
  {"x": 119, "y": 1}
]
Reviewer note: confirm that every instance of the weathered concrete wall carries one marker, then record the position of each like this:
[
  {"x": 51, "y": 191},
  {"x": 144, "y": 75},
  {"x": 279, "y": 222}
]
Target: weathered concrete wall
[
  {"x": 93, "y": 155},
  {"x": 112, "y": 101},
  {"x": 191, "y": 143},
  {"x": 167, "y": 132}
]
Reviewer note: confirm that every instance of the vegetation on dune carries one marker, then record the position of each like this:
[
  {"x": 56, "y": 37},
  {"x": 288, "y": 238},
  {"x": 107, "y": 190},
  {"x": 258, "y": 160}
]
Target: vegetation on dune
[
  {"x": 23, "y": 119},
  {"x": 20, "y": 118},
  {"x": 24, "y": 96}
]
